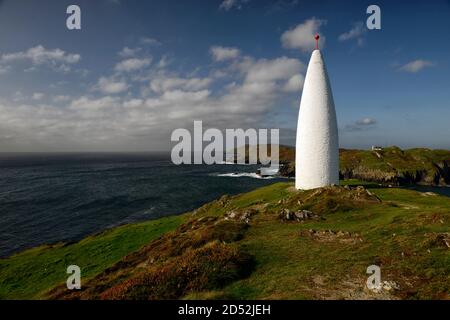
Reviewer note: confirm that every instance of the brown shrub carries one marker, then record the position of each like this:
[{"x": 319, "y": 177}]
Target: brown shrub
[
  {"x": 175, "y": 263},
  {"x": 205, "y": 268}
]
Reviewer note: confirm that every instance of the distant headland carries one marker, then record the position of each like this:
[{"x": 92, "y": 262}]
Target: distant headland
[{"x": 388, "y": 166}]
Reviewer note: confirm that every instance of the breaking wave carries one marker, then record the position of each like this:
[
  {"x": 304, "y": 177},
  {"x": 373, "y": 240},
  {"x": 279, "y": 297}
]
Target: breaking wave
[{"x": 244, "y": 174}]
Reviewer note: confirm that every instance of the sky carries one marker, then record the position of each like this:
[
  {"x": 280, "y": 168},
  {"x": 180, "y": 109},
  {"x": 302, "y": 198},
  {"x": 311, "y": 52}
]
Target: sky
[{"x": 137, "y": 70}]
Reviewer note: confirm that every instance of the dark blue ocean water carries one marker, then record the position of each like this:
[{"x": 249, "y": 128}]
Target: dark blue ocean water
[{"x": 47, "y": 198}]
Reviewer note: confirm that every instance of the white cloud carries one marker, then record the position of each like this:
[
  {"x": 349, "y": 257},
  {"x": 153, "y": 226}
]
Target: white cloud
[
  {"x": 128, "y": 52},
  {"x": 133, "y": 103},
  {"x": 57, "y": 59},
  {"x": 264, "y": 81},
  {"x": 228, "y": 4},
  {"x": 150, "y": 41},
  {"x": 190, "y": 84},
  {"x": 416, "y": 65},
  {"x": 276, "y": 69},
  {"x": 163, "y": 62},
  {"x": 295, "y": 83},
  {"x": 94, "y": 104},
  {"x": 302, "y": 36},
  {"x": 111, "y": 117},
  {"x": 362, "y": 124},
  {"x": 132, "y": 64},
  {"x": 61, "y": 98},
  {"x": 18, "y": 96},
  {"x": 111, "y": 86},
  {"x": 356, "y": 32},
  {"x": 366, "y": 122},
  {"x": 38, "y": 96},
  {"x": 224, "y": 53},
  {"x": 180, "y": 95}
]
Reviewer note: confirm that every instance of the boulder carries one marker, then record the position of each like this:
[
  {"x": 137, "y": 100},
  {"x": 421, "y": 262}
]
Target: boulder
[{"x": 299, "y": 215}]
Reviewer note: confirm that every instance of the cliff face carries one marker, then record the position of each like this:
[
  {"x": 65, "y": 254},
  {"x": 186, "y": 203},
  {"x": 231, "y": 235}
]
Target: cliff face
[
  {"x": 389, "y": 166},
  {"x": 396, "y": 166}
]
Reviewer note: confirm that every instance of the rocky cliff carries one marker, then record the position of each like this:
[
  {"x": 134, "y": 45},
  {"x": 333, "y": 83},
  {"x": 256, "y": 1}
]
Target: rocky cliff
[{"x": 390, "y": 165}]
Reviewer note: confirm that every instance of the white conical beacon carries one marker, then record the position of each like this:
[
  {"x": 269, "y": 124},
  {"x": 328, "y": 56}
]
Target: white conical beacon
[{"x": 317, "y": 145}]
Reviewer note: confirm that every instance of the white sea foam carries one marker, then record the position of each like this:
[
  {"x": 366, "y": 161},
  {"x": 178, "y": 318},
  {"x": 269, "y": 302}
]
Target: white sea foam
[
  {"x": 244, "y": 174},
  {"x": 225, "y": 162}
]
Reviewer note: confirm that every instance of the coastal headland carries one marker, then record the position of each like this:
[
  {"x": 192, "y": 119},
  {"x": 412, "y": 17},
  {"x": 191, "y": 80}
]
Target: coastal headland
[{"x": 272, "y": 243}]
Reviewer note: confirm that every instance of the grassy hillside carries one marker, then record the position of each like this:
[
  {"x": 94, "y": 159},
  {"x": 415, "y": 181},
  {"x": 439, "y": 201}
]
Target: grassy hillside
[
  {"x": 258, "y": 245},
  {"x": 396, "y": 166},
  {"x": 28, "y": 274},
  {"x": 389, "y": 166}
]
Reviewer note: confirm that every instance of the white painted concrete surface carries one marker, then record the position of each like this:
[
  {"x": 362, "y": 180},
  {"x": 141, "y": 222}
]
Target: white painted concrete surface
[{"x": 317, "y": 145}]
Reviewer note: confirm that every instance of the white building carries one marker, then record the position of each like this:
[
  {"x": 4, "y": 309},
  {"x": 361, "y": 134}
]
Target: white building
[{"x": 317, "y": 145}]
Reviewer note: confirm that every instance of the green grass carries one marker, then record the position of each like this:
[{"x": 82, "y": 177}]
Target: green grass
[
  {"x": 387, "y": 165},
  {"x": 286, "y": 264},
  {"x": 398, "y": 234},
  {"x": 29, "y": 274}
]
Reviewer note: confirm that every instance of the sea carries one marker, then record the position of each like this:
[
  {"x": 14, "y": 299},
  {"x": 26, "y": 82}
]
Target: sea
[{"x": 47, "y": 198}]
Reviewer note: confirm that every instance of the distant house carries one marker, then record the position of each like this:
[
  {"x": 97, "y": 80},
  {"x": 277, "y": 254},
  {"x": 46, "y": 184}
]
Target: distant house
[{"x": 377, "y": 148}]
